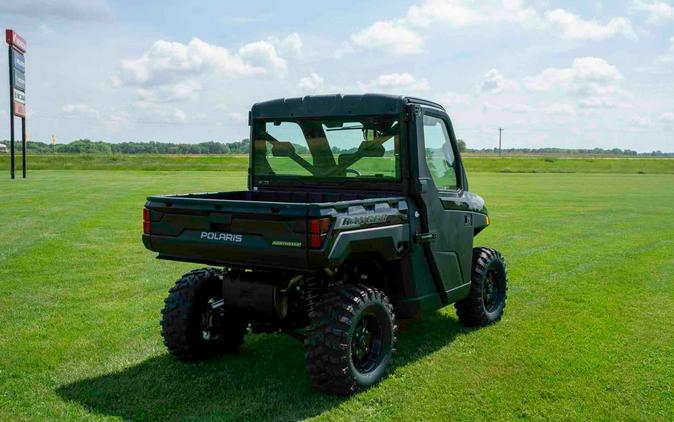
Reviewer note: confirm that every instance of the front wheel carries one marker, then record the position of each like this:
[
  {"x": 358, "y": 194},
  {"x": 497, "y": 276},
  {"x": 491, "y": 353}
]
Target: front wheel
[
  {"x": 350, "y": 340},
  {"x": 486, "y": 300}
]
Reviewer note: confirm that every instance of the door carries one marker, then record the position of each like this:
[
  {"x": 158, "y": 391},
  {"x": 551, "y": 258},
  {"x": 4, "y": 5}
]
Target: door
[{"x": 449, "y": 225}]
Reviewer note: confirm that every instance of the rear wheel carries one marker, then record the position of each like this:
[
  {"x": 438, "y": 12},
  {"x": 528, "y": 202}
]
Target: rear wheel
[
  {"x": 350, "y": 340},
  {"x": 194, "y": 323},
  {"x": 486, "y": 301}
]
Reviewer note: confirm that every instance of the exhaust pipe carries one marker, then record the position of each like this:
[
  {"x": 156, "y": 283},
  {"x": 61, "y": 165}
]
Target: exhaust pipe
[{"x": 256, "y": 294}]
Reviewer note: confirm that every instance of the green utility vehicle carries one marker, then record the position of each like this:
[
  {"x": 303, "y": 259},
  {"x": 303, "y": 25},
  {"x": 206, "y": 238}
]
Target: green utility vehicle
[{"x": 357, "y": 213}]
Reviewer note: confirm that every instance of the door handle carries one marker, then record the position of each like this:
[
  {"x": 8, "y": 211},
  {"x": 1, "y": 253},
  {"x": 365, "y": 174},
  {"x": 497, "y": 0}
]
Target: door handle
[{"x": 424, "y": 237}]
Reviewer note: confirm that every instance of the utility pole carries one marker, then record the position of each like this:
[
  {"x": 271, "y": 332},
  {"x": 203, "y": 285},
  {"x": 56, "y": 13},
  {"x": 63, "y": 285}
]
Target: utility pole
[{"x": 500, "y": 130}]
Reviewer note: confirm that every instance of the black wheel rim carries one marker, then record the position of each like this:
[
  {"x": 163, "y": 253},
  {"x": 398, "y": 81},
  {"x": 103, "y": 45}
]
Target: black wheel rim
[
  {"x": 211, "y": 321},
  {"x": 366, "y": 344},
  {"x": 492, "y": 290}
]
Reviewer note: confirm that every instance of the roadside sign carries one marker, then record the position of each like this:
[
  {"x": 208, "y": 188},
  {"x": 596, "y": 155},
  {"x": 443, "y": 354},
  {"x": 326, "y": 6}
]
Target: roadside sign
[
  {"x": 15, "y": 40},
  {"x": 17, "y": 67},
  {"x": 19, "y": 109},
  {"x": 19, "y": 80},
  {"x": 19, "y": 61},
  {"x": 17, "y": 89},
  {"x": 19, "y": 96}
]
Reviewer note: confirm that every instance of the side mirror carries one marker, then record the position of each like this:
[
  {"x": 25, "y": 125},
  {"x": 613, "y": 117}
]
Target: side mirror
[{"x": 282, "y": 149}]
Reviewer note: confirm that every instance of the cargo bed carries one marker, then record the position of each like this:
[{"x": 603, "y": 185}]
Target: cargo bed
[{"x": 259, "y": 229}]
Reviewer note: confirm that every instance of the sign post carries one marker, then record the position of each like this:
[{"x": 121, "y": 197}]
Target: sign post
[{"x": 17, "y": 93}]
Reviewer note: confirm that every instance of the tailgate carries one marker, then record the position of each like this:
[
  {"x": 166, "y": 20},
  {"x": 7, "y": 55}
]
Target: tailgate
[{"x": 222, "y": 232}]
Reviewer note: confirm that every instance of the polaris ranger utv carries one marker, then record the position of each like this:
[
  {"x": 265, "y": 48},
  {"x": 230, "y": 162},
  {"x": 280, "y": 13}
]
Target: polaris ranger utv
[{"x": 357, "y": 210}]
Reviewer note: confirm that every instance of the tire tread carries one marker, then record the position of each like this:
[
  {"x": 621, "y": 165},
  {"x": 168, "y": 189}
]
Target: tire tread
[
  {"x": 470, "y": 310},
  {"x": 178, "y": 326},
  {"x": 328, "y": 336}
]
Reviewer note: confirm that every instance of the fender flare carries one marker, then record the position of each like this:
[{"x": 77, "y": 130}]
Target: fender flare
[{"x": 388, "y": 241}]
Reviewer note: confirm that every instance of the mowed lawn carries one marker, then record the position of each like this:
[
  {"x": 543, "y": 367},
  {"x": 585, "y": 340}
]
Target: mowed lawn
[{"x": 588, "y": 332}]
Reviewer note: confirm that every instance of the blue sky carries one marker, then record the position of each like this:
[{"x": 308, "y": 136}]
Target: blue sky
[{"x": 564, "y": 74}]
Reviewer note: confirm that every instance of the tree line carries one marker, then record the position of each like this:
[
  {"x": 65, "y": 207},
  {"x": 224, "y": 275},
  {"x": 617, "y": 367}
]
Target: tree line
[
  {"x": 580, "y": 151},
  {"x": 87, "y": 146}
]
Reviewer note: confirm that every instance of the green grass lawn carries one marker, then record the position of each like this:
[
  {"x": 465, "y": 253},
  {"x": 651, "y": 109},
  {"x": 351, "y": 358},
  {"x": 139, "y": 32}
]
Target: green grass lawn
[{"x": 587, "y": 333}]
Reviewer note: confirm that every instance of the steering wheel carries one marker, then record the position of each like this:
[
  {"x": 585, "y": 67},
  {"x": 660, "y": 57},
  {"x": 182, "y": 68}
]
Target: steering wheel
[{"x": 352, "y": 171}]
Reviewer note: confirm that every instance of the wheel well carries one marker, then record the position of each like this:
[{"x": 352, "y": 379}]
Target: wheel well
[{"x": 372, "y": 270}]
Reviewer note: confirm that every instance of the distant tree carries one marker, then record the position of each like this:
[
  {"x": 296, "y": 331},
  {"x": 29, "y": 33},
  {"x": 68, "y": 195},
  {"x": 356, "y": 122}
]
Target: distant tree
[
  {"x": 85, "y": 146},
  {"x": 462, "y": 145}
]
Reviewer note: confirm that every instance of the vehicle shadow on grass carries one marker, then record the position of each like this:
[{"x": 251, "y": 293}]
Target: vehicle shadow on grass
[{"x": 265, "y": 381}]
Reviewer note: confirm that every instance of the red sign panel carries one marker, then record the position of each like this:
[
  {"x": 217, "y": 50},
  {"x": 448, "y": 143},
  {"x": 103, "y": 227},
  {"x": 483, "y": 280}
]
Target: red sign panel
[
  {"x": 15, "y": 40},
  {"x": 19, "y": 109}
]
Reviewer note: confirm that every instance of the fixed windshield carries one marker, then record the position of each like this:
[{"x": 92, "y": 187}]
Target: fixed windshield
[{"x": 354, "y": 147}]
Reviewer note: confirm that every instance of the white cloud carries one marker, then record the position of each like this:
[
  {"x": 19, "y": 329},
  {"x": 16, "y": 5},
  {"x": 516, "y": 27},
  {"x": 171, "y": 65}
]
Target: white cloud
[
  {"x": 576, "y": 28},
  {"x": 599, "y": 102},
  {"x": 392, "y": 36},
  {"x": 460, "y": 13},
  {"x": 179, "y": 116},
  {"x": 173, "y": 71},
  {"x": 263, "y": 55},
  {"x": 291, "y": 44},
  {"x": 396, "y": 35},
  {"x": 312, "y": 83},
  {"x": 669, "y": 55},
  {"x": 342, "y": 50},
  {"x": 46, "y": 29},
  {"x": 560, "y": 108},
  {"x": 237, "y": 117},
  {"x": 667, "y": 117},
  {"x": 167, "y": 61},
  {"x": 454, "y": 13},
  {"x": 77, "y": 10},
  {"x": 494, "y": 82},
  {"x": 173, "y": 92},
  {"x": 79, "y": 110},
  {"x": 516, "y": 108},
  {"x": 641, "y": 122},
  {"x": 657, "y": 11},
  {"x": 453, "y": 99},
  {"x": 116, "y": 121},
  {"x": 591, "y": 79},
  {"x": 395, "y": 82},
  {"x": 149, "y": 113},
  {"x": 583, "y": 71}
]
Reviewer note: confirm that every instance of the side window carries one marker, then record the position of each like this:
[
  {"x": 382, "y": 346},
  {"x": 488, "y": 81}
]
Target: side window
[{"x": 439, "y": 153}]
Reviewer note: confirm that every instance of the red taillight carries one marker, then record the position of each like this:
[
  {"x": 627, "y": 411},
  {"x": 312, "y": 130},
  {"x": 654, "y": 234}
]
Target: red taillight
[
  {"x": 146, "y": 221},
  {"x": 318, "y": 230},
  {"x": 316, "y": 241},
  {"x": 319, "y": 225}
]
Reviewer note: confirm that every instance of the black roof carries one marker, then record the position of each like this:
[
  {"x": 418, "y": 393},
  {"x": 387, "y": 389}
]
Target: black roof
[{"x": 336, "y": 105}]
